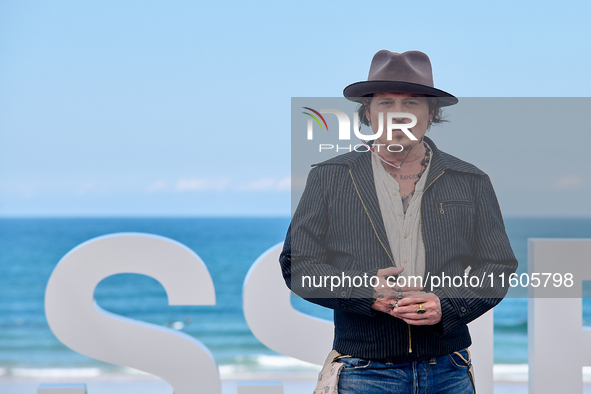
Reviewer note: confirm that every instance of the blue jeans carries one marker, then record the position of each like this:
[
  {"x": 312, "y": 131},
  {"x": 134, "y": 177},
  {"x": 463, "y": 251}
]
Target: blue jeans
[{"x": 438, "y": 375}]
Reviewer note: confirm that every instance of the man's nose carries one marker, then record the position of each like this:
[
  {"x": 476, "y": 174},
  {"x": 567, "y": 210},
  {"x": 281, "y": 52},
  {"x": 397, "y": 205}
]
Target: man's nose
[
  {"x": 397, "y": 107},
  {"x": 400, "y": 119}
]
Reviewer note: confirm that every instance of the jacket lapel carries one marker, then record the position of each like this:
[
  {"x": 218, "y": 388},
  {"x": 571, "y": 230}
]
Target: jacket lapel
[
  {"x": 362, "y": 175},
  {"x": 438, "y": 164}
]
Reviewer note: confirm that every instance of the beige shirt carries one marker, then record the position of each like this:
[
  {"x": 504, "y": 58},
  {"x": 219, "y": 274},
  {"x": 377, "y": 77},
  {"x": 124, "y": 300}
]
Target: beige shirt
[{"x": 403, "y": 230}]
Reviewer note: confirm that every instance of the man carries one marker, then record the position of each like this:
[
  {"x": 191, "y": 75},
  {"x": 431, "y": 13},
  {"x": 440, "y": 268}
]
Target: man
[{"x": 402, "y": 209}]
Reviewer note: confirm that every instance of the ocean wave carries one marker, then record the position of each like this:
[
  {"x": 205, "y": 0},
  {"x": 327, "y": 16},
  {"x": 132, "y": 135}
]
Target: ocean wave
[
  {"x": 69, "y": 373},
  {"x": 267, "y": 367},
  {"x": 519, "y": 373},
  {"x": 255, "y": 366},
  {"x": 513, "y": 327},
  {"x": 47, "y": 373}
]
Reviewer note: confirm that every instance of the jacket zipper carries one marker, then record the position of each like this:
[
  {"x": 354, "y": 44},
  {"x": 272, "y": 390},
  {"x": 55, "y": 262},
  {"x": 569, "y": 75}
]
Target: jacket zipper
[
  {"x": 409, "y": 339},
  {"x": 433, "y": 181},
  {"x": 381, "y": 243}
]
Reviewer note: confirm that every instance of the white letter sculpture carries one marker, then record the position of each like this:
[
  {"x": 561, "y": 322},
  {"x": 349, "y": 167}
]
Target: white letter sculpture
[
  {"x": 272, "y": 319},
  {"x": 83, "y": 326},
  {"x": 558, "y": 346}
]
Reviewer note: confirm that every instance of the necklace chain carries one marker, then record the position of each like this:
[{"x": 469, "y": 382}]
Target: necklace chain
[{"x": 424, "y": 164}]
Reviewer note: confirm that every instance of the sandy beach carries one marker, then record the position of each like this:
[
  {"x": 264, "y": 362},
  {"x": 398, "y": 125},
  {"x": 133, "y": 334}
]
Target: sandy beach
[
  {"x": 508, "y": 380},
  {"x": 154, "y": 386},
  {"x": 149, "y": 385}
]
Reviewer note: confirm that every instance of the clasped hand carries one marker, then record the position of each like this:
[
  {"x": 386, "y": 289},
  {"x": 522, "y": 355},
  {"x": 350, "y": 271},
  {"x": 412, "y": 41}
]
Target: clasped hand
[{"x": 403, "y": 302}]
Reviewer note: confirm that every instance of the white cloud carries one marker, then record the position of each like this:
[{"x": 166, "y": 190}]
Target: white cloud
[
  {"x": 91, "y": 187},
  {"x": 284, "y": 184},
  {"x": 267, "y": 184},
  {"x": 258, "y": 185},
  {"x": 224, "y": 184},
  {"x": 201, "y": 184},
  {"x": 569, "y": 182},
  {"x": 157, "y": 186},
  {"x": 85, "y": 187},
  {"x": 29, "y": 189}
]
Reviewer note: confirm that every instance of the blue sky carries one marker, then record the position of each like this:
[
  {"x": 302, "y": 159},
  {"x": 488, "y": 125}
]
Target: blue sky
[{"x": 183, "y": 108}]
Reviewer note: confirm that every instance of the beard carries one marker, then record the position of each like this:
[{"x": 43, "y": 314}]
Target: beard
[{"x": 397, "y": 141}]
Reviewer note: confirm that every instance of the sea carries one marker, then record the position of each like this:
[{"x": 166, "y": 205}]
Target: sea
[{"x": 30, "y": 248}]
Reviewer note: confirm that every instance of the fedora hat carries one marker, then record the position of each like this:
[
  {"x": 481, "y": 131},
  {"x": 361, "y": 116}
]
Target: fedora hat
[{"x": 408, "y": 72}]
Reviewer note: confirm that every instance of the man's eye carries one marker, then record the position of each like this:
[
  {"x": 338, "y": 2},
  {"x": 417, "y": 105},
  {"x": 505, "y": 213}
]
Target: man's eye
[
  {"x": 411, "y": 103},
  {"x": 385, "y": 103}
]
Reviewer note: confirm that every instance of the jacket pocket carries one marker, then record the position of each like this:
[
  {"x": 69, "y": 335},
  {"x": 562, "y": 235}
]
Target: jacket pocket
[
  {"x": 355, "y": 362},
  {"x": 442, "y": 205},
  {"x": 461, "y": 359}
]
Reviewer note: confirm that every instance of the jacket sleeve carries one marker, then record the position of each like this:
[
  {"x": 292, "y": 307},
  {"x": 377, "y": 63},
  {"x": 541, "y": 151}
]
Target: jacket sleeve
[
  {"x": 306, "y": 260},
  {"x": 492, "y": 257}
]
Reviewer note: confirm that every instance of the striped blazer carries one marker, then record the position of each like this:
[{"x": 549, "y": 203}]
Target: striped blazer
[{"x": 337, "y": 231}]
